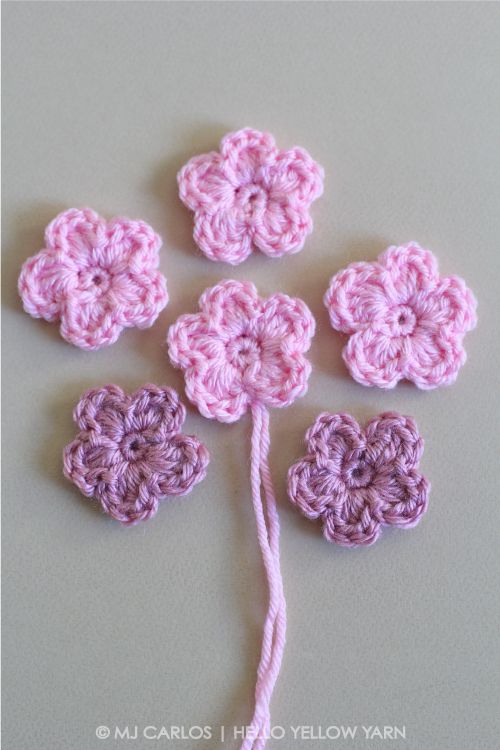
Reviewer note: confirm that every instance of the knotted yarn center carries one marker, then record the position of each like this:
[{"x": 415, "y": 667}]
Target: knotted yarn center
[
  {"x": 133, "y": 446},
  {"x": 252, "y": 200},
  {"x": 402, "y": 321},
  {"x": 244, "y": 352},
  {"x": 357, "y": 472},
  {"x": 96, "y": 281}
]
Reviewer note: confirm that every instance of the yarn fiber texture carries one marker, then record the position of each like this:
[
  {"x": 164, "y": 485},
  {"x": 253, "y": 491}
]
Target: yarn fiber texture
[
  {"x": 250, "y": 195},
  {"x": 95, "y": 277},
  {"x": 130, "y": 452},
  {"x": 241, "y": 350},
  {"x": 356, "y": 481},
  {"x": 404, "y": 320}
]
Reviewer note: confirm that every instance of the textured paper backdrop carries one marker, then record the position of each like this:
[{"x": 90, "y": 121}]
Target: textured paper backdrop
[{"x": 160, "y": 625}]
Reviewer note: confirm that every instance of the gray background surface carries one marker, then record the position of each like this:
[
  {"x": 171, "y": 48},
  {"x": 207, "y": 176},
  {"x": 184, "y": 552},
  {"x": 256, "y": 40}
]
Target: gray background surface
[{"x": 161, "y": 624}]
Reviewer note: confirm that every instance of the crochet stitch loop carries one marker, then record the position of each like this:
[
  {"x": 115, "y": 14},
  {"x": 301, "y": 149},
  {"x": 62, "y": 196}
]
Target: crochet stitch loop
[
  {"x": 251, "y": 194},
  {"x": 239, "y": 353},
  {"x": 356, "y": 481},
  {"x": 95, "y": 277},
  {"x": 404, "y": 321},
  {"x": 130, "y": 453}
]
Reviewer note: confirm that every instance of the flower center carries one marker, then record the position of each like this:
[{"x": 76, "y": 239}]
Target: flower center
[
  {"x": 132, "y": 446},
  {"x": 96, "y": 281},
  {"x": 251, "y": 199},
  {"x": 357, "y": 472},
  {"x": 402, "y": 321},
  {"x": 243, "y": 352}
]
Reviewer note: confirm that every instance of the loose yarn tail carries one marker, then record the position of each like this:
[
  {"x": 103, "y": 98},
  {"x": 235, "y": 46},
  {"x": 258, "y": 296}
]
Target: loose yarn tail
[{"x": 273, "y": 641}]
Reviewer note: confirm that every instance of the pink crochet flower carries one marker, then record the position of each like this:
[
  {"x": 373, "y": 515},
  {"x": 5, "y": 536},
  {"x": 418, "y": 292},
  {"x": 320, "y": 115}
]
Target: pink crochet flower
[
  {"x": 356, "y": 481},
  {"x": 406, "y": 321},
  {"x": 241, "y": 350},
  {"x": 250, "y": 194},
  {"x": 130, "y": 453},
  {"x": 96, "y": 278}
]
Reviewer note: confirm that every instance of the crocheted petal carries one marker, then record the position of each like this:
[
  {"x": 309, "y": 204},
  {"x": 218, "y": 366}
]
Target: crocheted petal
[
  {"x": 217, "y": 390},
  {"x": 452, "y": 305},
  {"x": 75, "y": 234},
  {"x": 288, "y": 319},
  {"x": 128, "y": 496},
  {"x": 393, "y": 442},
  {"x": 43, "y": 283},
  {"x": 374, "y": 359},
  {"x": 410, "y": 272},
  {"x": 282, "y": 227},
  {"x": 356, "y": 297},
  {"x": 89, "y": 461},
  {"x": 231, "y": 307},
  {"x": 137, "y": 298},
  {"x": 223, "y": 236},
  {"x": 354, "y": 524},
  {"x": 156, "y": 412},
  {"x": 203, "y": 185},
  {"x": 131, "y": 246},
  {"x": 314, "y": 489},
  {"x": 89, "y": 325},
  {"x": 437, "y": 356},
  {"x": 404, "y": 499},
  {"x": 247, "y": 154},
  {"x": 179, "y": 464},
  {"x": 295, "y": 174},
  {"x": 191, "y": 341},
  {"x": 331, "y": 437},
  {"x": 101, "y": 411},
  {"x": 281, "y": 376}
]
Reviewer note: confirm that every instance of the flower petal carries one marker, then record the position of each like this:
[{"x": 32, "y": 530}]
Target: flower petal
[
  {"x": 315, "y": 489},
  {"x": 452, "y": 305},
  {"x": 217, "y": 390},
  {"x": 90, "y": 461},
  {"x": 231, "y": 307},
  {"x": 101, "y": 411},
  {"x": 356, "y": 296},
  {"x": 203, "y": 184},
  {"x": 223, "y": 235},
  {"x": 436, "y": 357},
  {"x": 43, "y": 283},
  {"x": 156, "y": 412},
  {"x": 404, "y": 499},
  {"x": 282, "y": 227},
  {"x": 354, "y": 524},
  {"x": 295, "y": 174},
  {"x": 89, "y": 324},
  {"x": 393, "y": 440},
  {"x": 180, "y": 464},
  {"x": 246, "y": 154},
  {"x": 410, "y": 272},
  {"x": 131, "y": 246},
  {"x": 75, "y": 233},
  {"x": 332, "y": 437},
  {"x": 374, "y": 359},
  {"x": 137, "y": 297},
  {"x": 282, "y": 376},
  {"x": 128, "y": 496},
  {"x": 287, "y": 318}
]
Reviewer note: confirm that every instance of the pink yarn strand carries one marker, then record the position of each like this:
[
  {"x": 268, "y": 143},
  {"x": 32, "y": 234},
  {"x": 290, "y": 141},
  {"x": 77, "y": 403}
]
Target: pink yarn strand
[{"x": 273, "y": 641}]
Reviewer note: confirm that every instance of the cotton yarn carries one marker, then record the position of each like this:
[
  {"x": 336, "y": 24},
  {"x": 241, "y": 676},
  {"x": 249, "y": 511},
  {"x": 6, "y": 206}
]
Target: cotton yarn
[
  {"x": 250, "y": 195},
  {"x": 357, "y": 481},
  {"x": 130, "y": 452},
  {"x": 95, "y": 277},
  {"x": 404, "y": 320}
]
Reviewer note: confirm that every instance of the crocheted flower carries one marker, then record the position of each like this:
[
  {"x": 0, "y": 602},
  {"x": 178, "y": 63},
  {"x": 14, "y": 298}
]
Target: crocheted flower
[
  {"x": 250, "y": 194},
  {"x": 356, "y": 481},
  {"x": 406, "y": 321},
  {"x": 96, "y": 278},
  {"x": 130, "y": 453},
  {"x": 242, "y": 350}
]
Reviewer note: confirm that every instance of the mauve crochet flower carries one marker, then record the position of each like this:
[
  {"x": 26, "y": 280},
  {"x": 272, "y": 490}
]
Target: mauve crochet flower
[
  {"x": 96, "y": 278},
  {"x": 130, "y": 453},
  {"x": 242, "y": 350},
  {"x": 405, "y": 321},
  {"x": 250, "y": 194},
  {"x": 356, "y": 481}
]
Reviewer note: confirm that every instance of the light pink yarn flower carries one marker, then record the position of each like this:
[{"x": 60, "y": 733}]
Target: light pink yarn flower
[
  {"x": 130, "y": 452},
  {"x": 357, "y": 481},
  {"x": 241, "y": 350},
  {"x": 405, "y": 321},
  {"x": 96, "y": 278},
  {"x": 250, "y": 194}
]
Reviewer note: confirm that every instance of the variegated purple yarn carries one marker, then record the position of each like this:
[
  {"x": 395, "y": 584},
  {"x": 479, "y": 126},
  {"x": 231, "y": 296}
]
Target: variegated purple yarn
[
  {"x": 130, "y": 452},
  {"x": 357, "y": 481}
]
